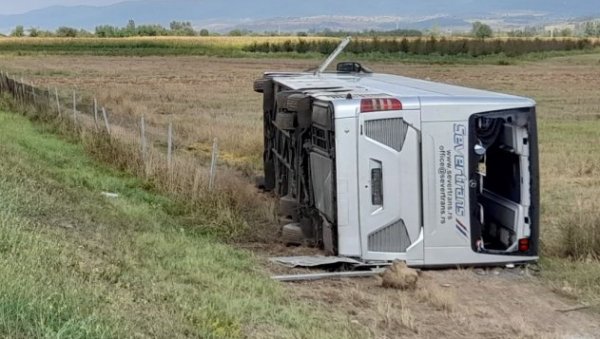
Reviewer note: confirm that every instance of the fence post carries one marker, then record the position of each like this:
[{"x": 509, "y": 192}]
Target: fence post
[
  {"x": 57, "y": 101},
  {"x": 6, "y": 82},
  {"x": 96, "y": 114},
  {"x": 48, "y": 97},
  {"x": 22, "y": 90},
  {"x": 105, "y": 116},
  {"x": 17, "y": 90},
  {"x": 170, "y": 147},
  {"x": 3, "y": 82},
  {"x": 143, "y": 141},
  {"x": 74, "y": 108},
  {"x": 213, "y": 165},
  {"x": 8, "y": 88}
]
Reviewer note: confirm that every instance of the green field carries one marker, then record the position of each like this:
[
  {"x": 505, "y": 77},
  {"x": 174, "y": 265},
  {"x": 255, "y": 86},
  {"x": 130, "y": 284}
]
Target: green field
[{"x": 76, "y": 264}]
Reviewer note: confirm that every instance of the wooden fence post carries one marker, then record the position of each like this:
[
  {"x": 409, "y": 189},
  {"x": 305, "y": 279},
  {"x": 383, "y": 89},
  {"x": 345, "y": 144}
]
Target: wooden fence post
[
  {"x": 48, "y": 97},
  {"x": 57, "y": 101},
  {"x": 213, "y": 165},
  {"x": 105, "y": 116},
  {"x": 22, "y": 90},
  {"x": 74, "y": 108},
  {"x": 143, "y": 138},
  {"x": 3, "y": 82},
  {"x": 96, "y": 114},
  {"x": 17, "y": 90},
  {"x": 170, "y": 147}
]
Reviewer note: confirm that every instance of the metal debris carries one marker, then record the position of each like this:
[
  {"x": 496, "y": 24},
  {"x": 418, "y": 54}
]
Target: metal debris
[
  {"x": 314, "y": 261},
  {"x": 322, "y": 276}
]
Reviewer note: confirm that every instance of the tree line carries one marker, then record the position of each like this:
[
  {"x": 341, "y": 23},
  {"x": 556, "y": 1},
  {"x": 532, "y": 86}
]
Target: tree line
[
  {"x": 428, "y": 46},
  {"x": 185, "y": 28},
  {"x": 176, "y": 28}
]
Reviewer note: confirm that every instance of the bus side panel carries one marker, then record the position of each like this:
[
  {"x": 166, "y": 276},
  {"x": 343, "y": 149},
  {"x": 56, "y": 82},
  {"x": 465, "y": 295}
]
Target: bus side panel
[{"x": 347, "y": 187}]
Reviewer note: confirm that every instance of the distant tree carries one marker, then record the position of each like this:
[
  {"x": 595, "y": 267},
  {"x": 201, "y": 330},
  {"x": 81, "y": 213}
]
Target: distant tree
[
  {"x": 589, "y": 29},
  {"x": 404, "y": 45},
  {"x": 106, "y": 31},
  {"x": 34, "y": 32},
  {"x": 19, "y": 31},
  {"x": 302, "y": 34},
  {"x": 236, "y": 32},
  {"x": 66, "y": 32},
  {"x": 84, "y": 34},
  {"x": 130, "y": 25},
  {"x": 130, "y": 29},
  {"x": 151, "y": 30},
  {"x": 182, "y": 28},
  {"x": 179, "y": 25},
  {"x": 481, "y": 30},
  {"x": 592, "y": 29},
  {"x": 38, "y": 33},
  {"x": 204, "y": 32},
  {"x": 566, "y": 32}
]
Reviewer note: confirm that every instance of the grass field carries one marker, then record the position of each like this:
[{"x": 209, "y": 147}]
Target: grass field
[
  {"x": 210, "y": 98},
  {"x": 75, "y": 264}
]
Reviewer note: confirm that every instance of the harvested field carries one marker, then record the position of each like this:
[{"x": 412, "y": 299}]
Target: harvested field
[{"x": 210, "y": 98}]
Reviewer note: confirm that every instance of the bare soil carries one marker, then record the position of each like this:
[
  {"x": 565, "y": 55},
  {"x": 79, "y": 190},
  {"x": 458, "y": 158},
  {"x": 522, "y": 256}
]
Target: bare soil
[{"x": 453, "y": 303}]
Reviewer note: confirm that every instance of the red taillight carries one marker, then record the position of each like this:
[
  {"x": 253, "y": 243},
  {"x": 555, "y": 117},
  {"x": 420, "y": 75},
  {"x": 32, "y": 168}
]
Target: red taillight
[
  {"x": 380, "y": 105},
  {"x": 523, "y": 245}
]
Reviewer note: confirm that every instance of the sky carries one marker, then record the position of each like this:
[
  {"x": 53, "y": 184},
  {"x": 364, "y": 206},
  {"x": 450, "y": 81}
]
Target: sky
[{"x": 21, "y": 6}]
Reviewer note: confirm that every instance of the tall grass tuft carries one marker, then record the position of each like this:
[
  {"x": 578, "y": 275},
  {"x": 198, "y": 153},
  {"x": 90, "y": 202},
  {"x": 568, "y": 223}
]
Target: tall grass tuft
[{"x": 581, "y": 231}]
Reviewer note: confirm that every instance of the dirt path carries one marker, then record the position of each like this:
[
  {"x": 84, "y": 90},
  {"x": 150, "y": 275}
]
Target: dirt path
[{"x": 457, "y": 303}]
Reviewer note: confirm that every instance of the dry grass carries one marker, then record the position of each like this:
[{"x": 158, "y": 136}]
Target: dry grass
[
  {"x": 442, "y": 299},
  {"x": 395, "y": 316},
  {"x": 205, "y": 98},
  {"x": 209, "y": 98}
]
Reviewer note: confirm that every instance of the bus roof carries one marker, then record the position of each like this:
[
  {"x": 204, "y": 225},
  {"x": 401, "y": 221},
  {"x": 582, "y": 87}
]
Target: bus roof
[{"x": 337, "y": 85}]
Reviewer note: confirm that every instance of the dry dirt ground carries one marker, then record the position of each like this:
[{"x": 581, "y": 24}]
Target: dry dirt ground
[
  {"x": 209, "y": 97},
  {"x": 453, "y": 303}
]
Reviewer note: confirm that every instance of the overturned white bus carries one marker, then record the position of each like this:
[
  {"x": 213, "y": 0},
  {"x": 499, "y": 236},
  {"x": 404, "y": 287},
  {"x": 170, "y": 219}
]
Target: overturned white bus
[{"x": 382, "y": 167}]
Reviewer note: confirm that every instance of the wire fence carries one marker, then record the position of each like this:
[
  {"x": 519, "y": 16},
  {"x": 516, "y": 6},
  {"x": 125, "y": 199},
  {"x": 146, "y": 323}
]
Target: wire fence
[
  {"x": 227, "y": 199},
  {"x": 86, "y": 115}
]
